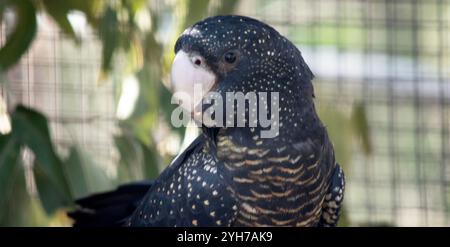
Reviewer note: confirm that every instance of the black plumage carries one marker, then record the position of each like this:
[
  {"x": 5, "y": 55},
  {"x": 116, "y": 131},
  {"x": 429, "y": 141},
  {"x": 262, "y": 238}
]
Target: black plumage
[{"x": 230, "y": 176}]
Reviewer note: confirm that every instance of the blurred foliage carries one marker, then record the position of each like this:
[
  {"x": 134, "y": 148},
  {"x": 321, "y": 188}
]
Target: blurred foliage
[
  {"x": 347, "y": 130},
  {"x": 40, "y": 192},
  {"x": 24, "y": 31},
  {"x": 30, "y": 129}
]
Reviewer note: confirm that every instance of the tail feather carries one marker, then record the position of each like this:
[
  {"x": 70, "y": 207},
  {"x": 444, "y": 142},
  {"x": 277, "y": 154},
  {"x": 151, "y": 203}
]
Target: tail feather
[{"x": 110, "y": 208}]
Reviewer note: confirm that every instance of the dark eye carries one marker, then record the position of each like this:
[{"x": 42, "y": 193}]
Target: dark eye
[
  {"x": 197, "y": 60},
  {"x": 230, "y": 57}
]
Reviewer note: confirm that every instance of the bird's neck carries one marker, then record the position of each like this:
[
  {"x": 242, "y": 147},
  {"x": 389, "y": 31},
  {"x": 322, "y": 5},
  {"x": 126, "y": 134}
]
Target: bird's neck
[{"x": 294, "y": 124}]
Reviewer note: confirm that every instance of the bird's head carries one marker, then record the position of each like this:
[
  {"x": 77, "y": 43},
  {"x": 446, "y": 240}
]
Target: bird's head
[{"x": 236, "y": 54}]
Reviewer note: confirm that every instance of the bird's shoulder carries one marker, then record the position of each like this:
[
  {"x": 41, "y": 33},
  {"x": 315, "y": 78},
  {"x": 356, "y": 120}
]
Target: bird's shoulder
[{"x": 190, "y": 192}]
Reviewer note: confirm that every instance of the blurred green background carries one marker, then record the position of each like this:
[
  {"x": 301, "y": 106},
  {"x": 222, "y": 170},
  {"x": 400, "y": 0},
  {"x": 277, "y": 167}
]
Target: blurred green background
[{"x": 85, "y": 104}]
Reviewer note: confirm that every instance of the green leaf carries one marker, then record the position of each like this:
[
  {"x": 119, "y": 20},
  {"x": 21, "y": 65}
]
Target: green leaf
[
  {"x": 16, "y": 199},
  {"x": 109, "y": 35},
  {"x": 51, "y": 195},
  {"x": 361, "y": 127},
  {"x": 22, "y": 35},
  {"x": 88, "y": 176},
  {"x": 195, "y": 11},
  {"x": 131, "y": 157},
  {"x": 137, "y": 160},
  {"x": 151, "y": 170},
  {"x": 30, "y": 128},
  {"x": 187, "y": 12},
  {"x": 135, "y": 54},
  {"x": 58, "y": 10},
  {"x": 224, "y": 7},
  {"x": 75, "y": 173},
  {"x": 9, "y": 152},
  {"x": 339, "y": 129},
  {"x": 167, "y": 108},
  {"x": 91, "y": 8},
  {"x": 2, "y": 9},
  {"x": 134, "y": 5}
]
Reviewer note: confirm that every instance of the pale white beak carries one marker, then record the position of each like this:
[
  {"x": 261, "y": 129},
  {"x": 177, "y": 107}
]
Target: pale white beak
[{"x": 191, "y": 80}]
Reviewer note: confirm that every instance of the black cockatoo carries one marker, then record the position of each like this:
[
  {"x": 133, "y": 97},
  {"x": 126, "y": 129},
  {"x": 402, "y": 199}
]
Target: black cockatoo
[{"x": 231, "y": 176}]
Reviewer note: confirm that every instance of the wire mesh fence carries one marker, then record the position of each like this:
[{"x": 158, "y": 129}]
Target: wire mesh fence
[
  {"x": 391, "y": 57},
  {"x": 60, "y": 79}
]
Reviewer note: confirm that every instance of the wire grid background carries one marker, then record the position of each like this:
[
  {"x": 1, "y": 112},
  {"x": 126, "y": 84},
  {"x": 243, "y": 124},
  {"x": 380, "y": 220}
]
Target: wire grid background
[
  {"x": 60, "y": 79},
  {"x": 394, "y": 56}
]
